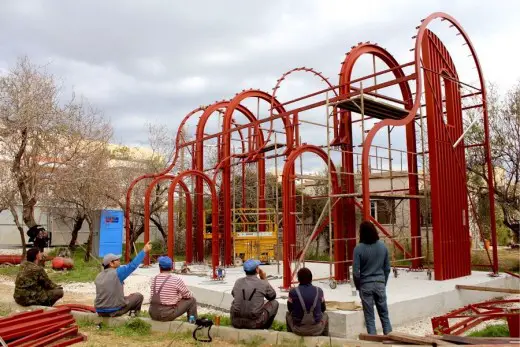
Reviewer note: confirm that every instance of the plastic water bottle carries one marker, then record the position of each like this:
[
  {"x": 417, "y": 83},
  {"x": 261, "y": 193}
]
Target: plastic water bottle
[{"x": 192, "y": 319}]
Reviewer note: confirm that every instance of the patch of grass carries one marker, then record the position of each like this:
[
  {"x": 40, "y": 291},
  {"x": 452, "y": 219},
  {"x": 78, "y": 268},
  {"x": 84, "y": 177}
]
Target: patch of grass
[
  {"x": 134, "y": 327},
  {"x": 5, "y": 310},
  {"x": 224, "y": 320},
  {"x": 508, "y": 259},
  {"x": 9, "y": 270},
  {"x": 81, "y": 272},
  {"x": 277, "y": 326},
  {"x": 497, "y": 330}
]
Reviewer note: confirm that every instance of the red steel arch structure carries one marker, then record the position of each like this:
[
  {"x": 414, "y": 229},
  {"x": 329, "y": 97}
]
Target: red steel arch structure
[{"x": 430, "y": 111}]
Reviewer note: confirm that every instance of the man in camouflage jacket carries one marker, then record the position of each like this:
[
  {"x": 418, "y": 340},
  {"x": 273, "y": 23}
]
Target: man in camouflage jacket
[{"x": 33, "y": 286}]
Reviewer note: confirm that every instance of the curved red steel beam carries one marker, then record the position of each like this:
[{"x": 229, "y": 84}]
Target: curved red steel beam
[
  {"x": 214, "y": 216},
  {"x": 348, "y": 160},
  {"x": 289, "y": 219},
  {"x": 295, "y": 121},
  {"x": 255, "y": 154},
  {"x": 151, "y": 175},
  {"x": 147, "y": 212},
  {"x": 199, "y": 165}
]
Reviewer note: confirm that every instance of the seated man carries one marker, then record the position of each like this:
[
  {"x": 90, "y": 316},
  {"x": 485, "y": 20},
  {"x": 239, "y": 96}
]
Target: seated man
[
  {"x": 306, "y": 306},
  {"x": 110, "y": 298},
  {"x": 33, "y": 286},
  {"x": 170, "y": 296},
  {"x": 248, "y": 309}
]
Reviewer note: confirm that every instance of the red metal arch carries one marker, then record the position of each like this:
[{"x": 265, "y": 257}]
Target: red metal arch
[
  {"x": 254, "y": 93},
  {"x": 289, "y": 219},
  {"x": 422, "y": 29},
  {"x": 152, "y": 175},
  {"x": 214, "y": 214},
  {"x": 189, "y": 231},
  {"x": 255, "y": 155},
  {"x": 348, "y": 161},
  {"x": 226, "y": 193}
]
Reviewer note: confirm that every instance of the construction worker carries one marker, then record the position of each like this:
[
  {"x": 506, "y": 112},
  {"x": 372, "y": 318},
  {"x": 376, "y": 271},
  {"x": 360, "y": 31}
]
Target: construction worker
[
  {"x": 110, "y": 299},
  {"x": 248, "y": 309},
  {"x": 170, "y": 296},
  {"x": 33, "y": 286},
  {"x": 371, "y": 269},
  {"x": 306, "y": 308}
]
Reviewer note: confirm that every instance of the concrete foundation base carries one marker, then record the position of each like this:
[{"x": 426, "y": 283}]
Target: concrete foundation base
[{"x": 410, "y": 296}]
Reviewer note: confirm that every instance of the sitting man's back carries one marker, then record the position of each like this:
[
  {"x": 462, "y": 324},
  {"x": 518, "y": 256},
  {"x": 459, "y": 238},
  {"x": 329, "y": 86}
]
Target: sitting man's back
[
  {"x": 170, "y": 296},
  {"x": 33, "y": 286},
  {"x": 306, "y": 307},
  {"x": 110, "y": 298},
  {"x": 248, "y": 309}
]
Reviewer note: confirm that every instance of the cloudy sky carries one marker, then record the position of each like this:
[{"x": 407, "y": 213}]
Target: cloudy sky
[{"x": 154, "y": 61}]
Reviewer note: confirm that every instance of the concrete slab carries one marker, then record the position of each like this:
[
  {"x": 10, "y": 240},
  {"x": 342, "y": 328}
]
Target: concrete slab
[
  {"x": 289, "y": 339},
  {"x": 163, "y": 327},
  {"x": 410, "y": 296}
]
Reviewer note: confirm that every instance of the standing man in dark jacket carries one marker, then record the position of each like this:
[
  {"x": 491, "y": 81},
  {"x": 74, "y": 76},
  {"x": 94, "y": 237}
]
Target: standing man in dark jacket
[
  {"x": 371, "y": 269},
  {"x": 248, "y": 309},
  {"x": 110, "y": 298},
  {"x": 306, "y": 306},
  {"x": 33, "y": 286}
]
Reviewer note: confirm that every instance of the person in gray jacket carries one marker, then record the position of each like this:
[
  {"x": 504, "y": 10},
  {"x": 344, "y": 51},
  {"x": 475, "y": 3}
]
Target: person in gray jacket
[
  {"x": 248, "y": 309},
  {"x": 371, "y": 269},
  {"x": 110, "y": 298}
]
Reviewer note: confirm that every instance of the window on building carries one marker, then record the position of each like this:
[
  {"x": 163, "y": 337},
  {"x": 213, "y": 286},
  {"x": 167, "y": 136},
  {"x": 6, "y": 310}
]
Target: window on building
[{"x": 383, "y": 211}]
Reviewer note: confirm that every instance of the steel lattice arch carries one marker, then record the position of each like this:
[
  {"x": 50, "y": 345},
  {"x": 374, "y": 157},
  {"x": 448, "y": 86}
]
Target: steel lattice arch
[{"x": 429, "y": 109}]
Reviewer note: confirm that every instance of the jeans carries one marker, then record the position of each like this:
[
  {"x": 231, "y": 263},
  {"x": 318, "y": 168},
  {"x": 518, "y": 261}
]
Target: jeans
[{"x": 375, "y": 293}]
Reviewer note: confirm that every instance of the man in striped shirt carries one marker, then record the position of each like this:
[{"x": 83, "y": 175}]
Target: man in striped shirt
[{"x": 170, "y": 296}]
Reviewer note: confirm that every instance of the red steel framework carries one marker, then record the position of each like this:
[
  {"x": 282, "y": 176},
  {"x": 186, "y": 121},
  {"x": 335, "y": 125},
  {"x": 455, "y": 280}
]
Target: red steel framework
[{"x": 431, "y": 92}]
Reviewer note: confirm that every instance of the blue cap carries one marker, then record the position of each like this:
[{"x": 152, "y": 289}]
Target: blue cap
[
  {"x": 251, "y": 265},
  {"x": 165, "y": 262}
]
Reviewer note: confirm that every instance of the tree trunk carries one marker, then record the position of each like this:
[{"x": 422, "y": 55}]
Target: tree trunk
[
  {"x": 78, "y": 223},
  {"x": 28, "y": 212},
  {"x": 90, "y": 237},
  {"x": 20, "y": 229}
]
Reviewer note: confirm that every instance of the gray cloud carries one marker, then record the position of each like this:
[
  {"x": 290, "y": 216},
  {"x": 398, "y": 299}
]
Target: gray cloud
[{"x": 154, "y": 61}]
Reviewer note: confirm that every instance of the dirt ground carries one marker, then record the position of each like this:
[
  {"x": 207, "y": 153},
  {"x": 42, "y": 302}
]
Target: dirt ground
[
  {"x": 107, "y": 338},
  {"x": 100, "y": 338}
]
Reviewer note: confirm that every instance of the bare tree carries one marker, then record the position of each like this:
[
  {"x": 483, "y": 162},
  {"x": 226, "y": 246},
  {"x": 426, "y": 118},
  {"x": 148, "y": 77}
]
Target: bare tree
[
  {"x": 39, "y": 133},
  {"x": 504, "y": 121},
  {"x": 8, "y": 199}
]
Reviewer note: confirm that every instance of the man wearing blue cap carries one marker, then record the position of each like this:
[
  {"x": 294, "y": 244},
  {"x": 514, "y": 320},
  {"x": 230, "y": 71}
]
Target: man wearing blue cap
[
  {"x": 110, "y": 298},
  {"x": 170, "y": 296},
  {"x": 248, "y": 309}
]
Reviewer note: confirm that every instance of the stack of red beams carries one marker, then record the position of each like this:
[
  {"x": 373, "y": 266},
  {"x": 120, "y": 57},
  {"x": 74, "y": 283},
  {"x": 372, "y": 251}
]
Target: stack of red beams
[{"x": 56, "y": 328}]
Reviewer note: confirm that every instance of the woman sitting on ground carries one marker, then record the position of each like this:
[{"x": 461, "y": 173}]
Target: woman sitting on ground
[{"x": 306, "y": 306}]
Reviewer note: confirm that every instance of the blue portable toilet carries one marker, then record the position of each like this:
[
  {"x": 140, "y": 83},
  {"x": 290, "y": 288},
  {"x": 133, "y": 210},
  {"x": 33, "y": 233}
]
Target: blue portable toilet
[{"x": 109, "y": 239}]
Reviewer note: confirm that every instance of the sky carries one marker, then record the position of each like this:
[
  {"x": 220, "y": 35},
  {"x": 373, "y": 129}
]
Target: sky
[{"x": 154, "y": 61}]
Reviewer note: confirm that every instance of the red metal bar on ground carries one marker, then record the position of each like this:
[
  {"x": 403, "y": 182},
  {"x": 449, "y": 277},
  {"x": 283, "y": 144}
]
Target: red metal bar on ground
[
  {"x": 53, "y": 337},
  {"x": 41, "y": 332},
  {"x": 29, "y": 317}
]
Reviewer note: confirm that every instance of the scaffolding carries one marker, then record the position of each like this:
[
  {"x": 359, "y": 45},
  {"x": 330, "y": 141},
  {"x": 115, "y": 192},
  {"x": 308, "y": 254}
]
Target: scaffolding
[{"x": 425, "y": 195}]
